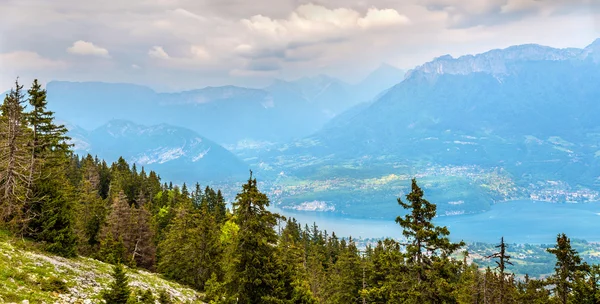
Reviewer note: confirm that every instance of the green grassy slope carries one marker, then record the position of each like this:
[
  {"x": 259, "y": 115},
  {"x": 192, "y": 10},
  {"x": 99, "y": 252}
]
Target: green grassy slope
[{"x": 28, "y": 274}]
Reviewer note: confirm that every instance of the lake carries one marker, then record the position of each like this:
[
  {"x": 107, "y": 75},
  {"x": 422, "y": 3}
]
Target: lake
[{"x": 522, "y": 221}]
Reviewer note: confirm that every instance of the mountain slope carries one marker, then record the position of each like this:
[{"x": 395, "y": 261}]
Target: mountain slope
[
  {"x": 507, "y": 124},
  {"x": 179, "y": 154},
  {"x": 36, "y": 277}
]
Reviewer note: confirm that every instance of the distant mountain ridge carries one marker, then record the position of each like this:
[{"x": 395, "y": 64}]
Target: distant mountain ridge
[
  {"x": 225, "y": 114},
  {"x": 179, "y": 154},
  {"x": 498, "y": 61}
]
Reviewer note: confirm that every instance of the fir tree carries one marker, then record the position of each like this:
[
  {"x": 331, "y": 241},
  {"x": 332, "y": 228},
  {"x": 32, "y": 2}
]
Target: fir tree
[
  {"x": 428, "y": 247},
  {"x": 15, "y": 159},
  {"x": 191, "y": 251},
  {"x": 252, "y": 275},
  {"x": 118, "y": 291},
  {"x": 51, "y": 193},
  {"x": 567, "y": 269}
]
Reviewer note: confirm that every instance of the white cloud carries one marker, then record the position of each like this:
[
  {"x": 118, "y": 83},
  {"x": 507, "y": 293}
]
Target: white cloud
[
  {"x": 384, "y": 17},
  {"x": 81, "y": 47},
  {"x": 311, "y": 19},
  {"x": 221, "y": 42},
  {"x": 158, "y": 52},
  {"x": 199, "y": 52}
]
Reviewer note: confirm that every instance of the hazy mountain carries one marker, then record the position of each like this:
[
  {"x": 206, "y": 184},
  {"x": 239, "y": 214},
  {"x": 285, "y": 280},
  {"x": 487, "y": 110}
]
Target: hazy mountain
[
  {"x": 179, "y": 154},
  {"x": 90, "y": 104},
  {"x": 518, "y": 122},
  {"x": 502, "y": 61},
  {"x": 228, "y": 115},
  {"x": 382, "y": 78}
]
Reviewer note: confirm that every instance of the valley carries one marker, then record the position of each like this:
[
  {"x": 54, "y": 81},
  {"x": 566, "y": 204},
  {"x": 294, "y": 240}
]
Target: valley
[{"x": 476, "y": 131}]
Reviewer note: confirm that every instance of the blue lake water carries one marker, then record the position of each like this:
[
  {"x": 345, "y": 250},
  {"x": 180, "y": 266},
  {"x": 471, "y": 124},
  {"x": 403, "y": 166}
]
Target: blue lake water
[{"x": 522, "y": 221}]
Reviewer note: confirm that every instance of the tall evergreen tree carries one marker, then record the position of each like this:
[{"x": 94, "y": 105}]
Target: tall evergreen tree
[
  {"x": 345, "y": 276},
  {"x": 252, "y": 275},
  {"x": 191, "y": 251},
  {"x": 52, "y": 195},
  {"x": 567, "y": 269},
  {"x": 428, "y": 247},
  {"x": 14, "y": 158}
]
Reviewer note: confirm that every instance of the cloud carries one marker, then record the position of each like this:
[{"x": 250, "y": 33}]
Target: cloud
[
  {"x": 158, "y": 52},
  {"x": 384, "y": 17},
  {"x": 197, "y": 43},
  {"x": 81, "y": 47},
  {"x": 467, "y": 14},
  {"x": 316, "y": 20},
  {"x": 199, "y": 52},
  {"x": 309, "y": 25},
  {"x": 27, "y": 60}
]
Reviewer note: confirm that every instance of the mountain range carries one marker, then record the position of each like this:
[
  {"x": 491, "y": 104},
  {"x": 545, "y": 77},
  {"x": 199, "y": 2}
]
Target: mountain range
[
  {"x": 229, "y": 114},
  {"x": 514, "y": 123},
  {"x": 178, "y": 154},
  {"x": 506, "y": 124}
]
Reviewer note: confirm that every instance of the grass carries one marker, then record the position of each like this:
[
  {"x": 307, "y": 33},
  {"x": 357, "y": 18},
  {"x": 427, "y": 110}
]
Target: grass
[{"x": 26, "y": 273}]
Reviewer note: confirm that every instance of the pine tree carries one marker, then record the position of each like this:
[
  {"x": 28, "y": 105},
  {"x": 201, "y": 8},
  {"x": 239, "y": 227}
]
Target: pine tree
[
  {"x": 385, "y": 273},
  {"x": 91, "y": 210},
  {"x": 567, "y": 269},
  {"x": 428, "y": 247},
  {"x": 15, "y": 159},
  {"x": 503, "y": 260},
  {"x": 191, "y": 250},
  {"x": 143, "y": 252},
  {"x": 293, "y": 278},
  {"x": 118, "y": 291},
  {"x": 345, "y": 276},
  {"x": 51, "y": 195},
  {"x": 117, "y": 234},
  {"x": 252, "y": 275}
]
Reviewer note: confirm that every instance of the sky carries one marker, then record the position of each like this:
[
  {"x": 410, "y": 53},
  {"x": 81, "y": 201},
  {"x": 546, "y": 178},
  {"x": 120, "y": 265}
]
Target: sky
[{"x": 184, "y": 44}]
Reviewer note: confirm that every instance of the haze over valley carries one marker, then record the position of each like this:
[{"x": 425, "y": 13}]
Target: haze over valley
[{"x": 508, "y": 124}]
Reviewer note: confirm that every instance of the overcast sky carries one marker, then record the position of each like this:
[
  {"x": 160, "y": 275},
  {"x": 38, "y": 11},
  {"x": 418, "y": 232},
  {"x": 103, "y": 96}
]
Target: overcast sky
[{"x": 183, "y": 44}]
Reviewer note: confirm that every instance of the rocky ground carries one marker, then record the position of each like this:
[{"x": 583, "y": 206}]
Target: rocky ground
[{"x": 29, "y": 276}]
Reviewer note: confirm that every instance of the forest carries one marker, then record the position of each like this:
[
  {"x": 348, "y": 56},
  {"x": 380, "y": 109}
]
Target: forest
[{"x": 74, "y": 205}]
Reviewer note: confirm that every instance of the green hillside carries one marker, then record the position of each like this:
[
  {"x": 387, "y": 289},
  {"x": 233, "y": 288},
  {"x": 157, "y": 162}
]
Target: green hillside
[{"x": 27, "y": 274}]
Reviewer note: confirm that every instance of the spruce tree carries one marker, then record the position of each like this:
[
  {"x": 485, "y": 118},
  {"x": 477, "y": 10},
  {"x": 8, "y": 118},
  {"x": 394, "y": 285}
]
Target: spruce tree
[
  {"x": 567, "y": 269},
  {"x": 15, "y": 159},
  {"x": 191, "y": 250},
  {"x": 428, "y": 248},
  {"x": 252, "y": 275},
  {"x": 345, "y": 276},
  {"x": 118, "y": 291},
  {"x": 51, "y": 196}
]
